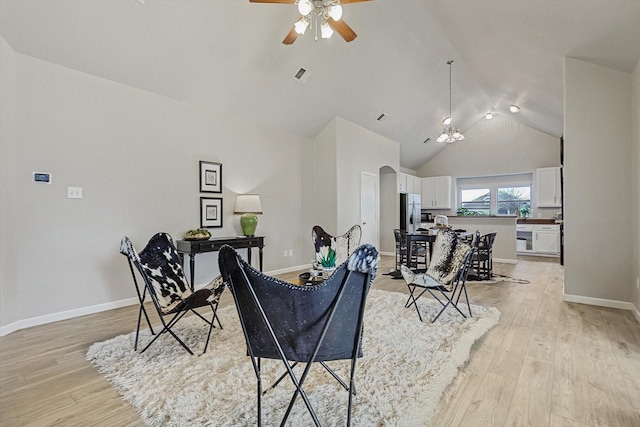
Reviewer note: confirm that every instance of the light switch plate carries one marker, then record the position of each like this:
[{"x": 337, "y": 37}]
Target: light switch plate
[{"x": 74, "y": 192}]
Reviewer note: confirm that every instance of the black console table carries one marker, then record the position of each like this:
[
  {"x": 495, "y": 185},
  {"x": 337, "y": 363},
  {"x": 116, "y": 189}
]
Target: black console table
[{"x": 194, "y": 247}]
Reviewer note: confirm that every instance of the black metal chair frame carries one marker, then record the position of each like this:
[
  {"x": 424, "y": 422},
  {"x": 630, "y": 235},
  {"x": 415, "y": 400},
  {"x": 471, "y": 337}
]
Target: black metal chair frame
[
  {"x": 197, "y": 300},
  {"x": 142, "y": 310},
  {"x": 482, "y": 261},
  {"x": 237, "y": 272},
  {"x": 447, "y": 297},
  {"x": 417, "y": 252}
]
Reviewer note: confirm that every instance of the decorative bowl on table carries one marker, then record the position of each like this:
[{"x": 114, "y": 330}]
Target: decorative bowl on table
[{"x": 197, "y": 234}]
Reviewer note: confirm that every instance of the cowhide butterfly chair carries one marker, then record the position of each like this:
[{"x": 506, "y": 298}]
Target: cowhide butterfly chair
[
  {"x": 446, "y": 276},
  {"x": 343, "y": 245},
  {"x": 160, "y": 267},
  {"x": 302, "y": 324}
]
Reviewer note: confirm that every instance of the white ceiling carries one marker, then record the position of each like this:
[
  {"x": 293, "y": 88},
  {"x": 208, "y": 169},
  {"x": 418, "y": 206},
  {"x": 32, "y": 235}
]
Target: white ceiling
[{"x": 227, "y": 55}]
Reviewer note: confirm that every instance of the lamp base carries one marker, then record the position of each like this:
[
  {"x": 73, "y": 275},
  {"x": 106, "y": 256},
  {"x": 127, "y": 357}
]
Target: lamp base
[{"x": 248, "y": 222}]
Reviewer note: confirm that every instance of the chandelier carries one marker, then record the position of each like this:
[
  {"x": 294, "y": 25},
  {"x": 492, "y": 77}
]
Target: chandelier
[
  {"x": 450, "y": 133},
  {"x": 317, "y": 13}
]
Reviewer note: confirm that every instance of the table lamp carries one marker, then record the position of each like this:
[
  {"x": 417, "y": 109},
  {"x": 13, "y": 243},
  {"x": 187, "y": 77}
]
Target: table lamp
[{"x": 249, "y": 206}]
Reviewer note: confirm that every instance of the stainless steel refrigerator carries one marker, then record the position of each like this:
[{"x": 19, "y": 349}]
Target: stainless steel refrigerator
[{"x": 410, "y": 210}]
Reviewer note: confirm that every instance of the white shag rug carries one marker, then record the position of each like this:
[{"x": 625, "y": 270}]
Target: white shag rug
[{"x": 406, "y": 367}]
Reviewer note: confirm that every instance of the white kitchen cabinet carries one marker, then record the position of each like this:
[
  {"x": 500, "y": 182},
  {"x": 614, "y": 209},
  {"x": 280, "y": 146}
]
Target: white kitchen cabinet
[
  {"x": 436, "y": 192},
  {"x": 538, "y": 239},
  {"x": 402, "y": 182},
  {"x": 548, "y": 188},
  {"x": 417, "y": 184},
  {"x": 546, "y": 239}
]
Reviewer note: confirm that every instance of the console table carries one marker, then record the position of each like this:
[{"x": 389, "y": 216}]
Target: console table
[{"x": 194, "y": 247}]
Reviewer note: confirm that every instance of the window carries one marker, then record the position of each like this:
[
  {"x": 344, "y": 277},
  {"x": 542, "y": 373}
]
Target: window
[
  {"x": 511, "y": 199},
  {"x": 494, "y": 195},
  {"x": 476, "y": 200}
]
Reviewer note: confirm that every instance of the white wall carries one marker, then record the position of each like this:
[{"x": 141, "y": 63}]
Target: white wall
[
  {"x": 598, "y": 203},
  {"x": 8, "y": 184},
  {"x": 495, "y": 147},
  {"x": 136, "y": 156},
  {"x": 359, "y": 150},
  {"x": 635, "y": 199}
]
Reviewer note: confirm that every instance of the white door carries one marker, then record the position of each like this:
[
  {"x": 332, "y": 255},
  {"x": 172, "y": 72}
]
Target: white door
[{"x": 369, "y": 208}]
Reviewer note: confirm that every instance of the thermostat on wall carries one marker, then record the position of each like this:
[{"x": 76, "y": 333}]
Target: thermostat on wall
[{"x": 42, "y": 177}]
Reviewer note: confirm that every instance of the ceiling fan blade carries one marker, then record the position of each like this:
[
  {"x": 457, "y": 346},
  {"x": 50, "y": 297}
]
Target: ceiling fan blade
[
  {"x": 351, "y": 1},
  {"x": 291, "y": 37},
  {"x": 343, "y": 29},
  {"x": 277, "y": 1}
]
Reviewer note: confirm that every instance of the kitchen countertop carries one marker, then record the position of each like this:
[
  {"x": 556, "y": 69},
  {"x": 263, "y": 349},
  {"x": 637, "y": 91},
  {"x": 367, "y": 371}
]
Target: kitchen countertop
[{"x": 536, "y": 221}]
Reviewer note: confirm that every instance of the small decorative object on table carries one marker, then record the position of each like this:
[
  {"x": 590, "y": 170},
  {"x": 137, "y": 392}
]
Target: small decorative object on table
[
  {"x": 197, "y": 234},
  {"x": 327, "y": 258}
]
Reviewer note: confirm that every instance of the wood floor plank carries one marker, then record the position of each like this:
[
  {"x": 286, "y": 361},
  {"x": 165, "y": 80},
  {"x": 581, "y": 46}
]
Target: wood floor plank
[
  {"x": 570, "y": 395},
  {"x": 491, "y": 402},
  {"x": 558, "y": 421},
  {"x": 531, "y": 404}
]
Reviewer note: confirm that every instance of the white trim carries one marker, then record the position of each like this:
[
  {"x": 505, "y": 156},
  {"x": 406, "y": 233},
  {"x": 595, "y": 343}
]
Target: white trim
[
  {"x": 505, "y": 260},
  {"x": 63, "y": 315},
  {"x": 387, "y": 253},
  {"x": 636, "y": 312},
  {"x": 602, "y": 302},
  {"x": 288, "y": 269}
]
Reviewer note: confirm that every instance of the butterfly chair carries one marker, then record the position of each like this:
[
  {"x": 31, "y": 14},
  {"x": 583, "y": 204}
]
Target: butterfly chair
[
  {"x": 161, "y": 270},
  {"x": 316, "y": 323},
  {"x": 342, "y": 245},
  {"x": 482, "y": 259},
  {"x": 446, "y": 275}
]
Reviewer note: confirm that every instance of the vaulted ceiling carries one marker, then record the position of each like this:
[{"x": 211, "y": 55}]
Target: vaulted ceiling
[{"x": 227, "y": 55}]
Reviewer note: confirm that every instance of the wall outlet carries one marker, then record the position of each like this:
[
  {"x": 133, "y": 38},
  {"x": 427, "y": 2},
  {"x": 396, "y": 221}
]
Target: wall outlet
[
  {"x": 74, "y": 192},
  {"x": 637, "y": 282},
  {"x": 285, "y": 253},
  {"x": 290, "y": 252}
]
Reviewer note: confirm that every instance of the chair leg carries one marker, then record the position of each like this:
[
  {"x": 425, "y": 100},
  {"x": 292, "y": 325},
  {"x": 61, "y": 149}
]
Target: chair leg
[{"x": 167, "y": 328}]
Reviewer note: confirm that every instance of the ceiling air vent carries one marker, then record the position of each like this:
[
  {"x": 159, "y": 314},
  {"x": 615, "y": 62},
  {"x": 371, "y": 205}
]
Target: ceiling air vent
[
  {"x": 382, "y": 117},
  {"x": 426, "y": 140},
  {"x": 302, "y": 75}
]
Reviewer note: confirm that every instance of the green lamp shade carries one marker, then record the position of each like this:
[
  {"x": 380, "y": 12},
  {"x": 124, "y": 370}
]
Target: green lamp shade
[{"x": 248, "y": 222}]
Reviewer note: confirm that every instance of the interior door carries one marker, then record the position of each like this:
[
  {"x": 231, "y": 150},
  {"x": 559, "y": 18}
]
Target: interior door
[{"x": 369, "y": 208}]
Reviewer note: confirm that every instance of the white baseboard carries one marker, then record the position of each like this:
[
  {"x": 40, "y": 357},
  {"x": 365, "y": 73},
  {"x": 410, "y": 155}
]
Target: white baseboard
[
  {"x": 505, "y": 260},
  {"x": 636, "y": 312},
  {"x": 602, "y": 302},
  {"x": 63, "y": 315},
  {"x": 288, "y": 269},
  {"x": 387, "y": 253}
]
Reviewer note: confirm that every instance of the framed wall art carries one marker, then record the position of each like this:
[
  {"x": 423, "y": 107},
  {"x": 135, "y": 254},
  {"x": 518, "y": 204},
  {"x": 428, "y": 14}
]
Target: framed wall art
[
  {"x": 210, "y": 212},
  {"x": 210, "y": 177}
]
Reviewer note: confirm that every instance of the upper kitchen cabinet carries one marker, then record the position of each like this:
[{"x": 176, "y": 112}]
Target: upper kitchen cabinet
[
  {"x": 548, "y": 188},
  {"x": 402, "y": 182},
  {"x": 414, "y": 184},
  {"x": 409, "y": 184},
  {"x": 436, "y": 192}
]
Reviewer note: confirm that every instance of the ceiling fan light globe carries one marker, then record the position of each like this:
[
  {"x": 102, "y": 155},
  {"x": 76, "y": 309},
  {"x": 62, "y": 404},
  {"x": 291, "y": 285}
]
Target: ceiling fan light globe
[
  {"x": 335, "y": 12},
  {"x": 301, "y": 26},
  {"x": 326, "y": 31},
  {"x": 446, "y": 121},
  {"x": 442, "y": 138},
  {"x": 305, "y": 7}
]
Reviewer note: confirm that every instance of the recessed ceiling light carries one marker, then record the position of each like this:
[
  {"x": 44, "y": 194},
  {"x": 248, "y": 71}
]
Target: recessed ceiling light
[
  {"x": 446, "y": 121},
  {"x": 488, "y": 116},
  {"x": 514, "y": 108}
]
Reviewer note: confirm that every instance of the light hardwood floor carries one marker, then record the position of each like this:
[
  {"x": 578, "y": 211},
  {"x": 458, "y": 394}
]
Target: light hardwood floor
[{"x": 547, "y": 363}]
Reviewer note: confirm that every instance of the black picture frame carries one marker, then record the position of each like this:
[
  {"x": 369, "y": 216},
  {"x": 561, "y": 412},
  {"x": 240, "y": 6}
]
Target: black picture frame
[
  {"x": 210, "y": 177},
  {"x": 210, "y": 212}
]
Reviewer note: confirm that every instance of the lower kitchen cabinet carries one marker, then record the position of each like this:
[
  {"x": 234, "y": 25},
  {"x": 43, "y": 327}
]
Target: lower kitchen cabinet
[{"x": 538, "y": 239}]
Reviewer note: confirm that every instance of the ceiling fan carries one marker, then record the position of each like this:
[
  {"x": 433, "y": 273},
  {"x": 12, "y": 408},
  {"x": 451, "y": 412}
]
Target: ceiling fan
[{"x": 324, "y": 14}]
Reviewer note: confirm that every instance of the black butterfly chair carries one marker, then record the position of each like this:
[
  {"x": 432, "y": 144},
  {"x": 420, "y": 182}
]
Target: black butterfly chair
[
  {"x": 161, "y": 270},
  {"x": 317, "y": 323},
  {"x": 446, "y": 275}
]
